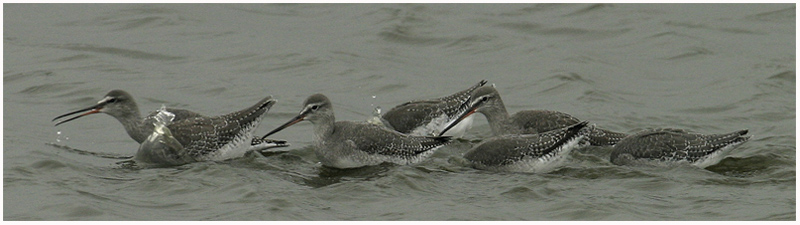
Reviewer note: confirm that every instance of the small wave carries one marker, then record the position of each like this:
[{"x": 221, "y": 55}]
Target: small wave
[
  {"x": 50, "y": 88},
  {"x": 288, "y": 62},
  {"x": 403, "y": 35},
  {"x": 84, "y": 152},
  {"x": 604, "y": 172},
  {"x": 597, "y": 96},
  {"x": 475, "y": 44},
  {"x": 561, "y": 82},
  {"x": 692, "y": 25},
  {"x": 27, "y": 75},
  {"x": 132, "y": 18},
  {"x": 412, "y": 25},
  {"x": 83, "y": 212},
  {"x": 691, "y": 53},
  {"x": 522, "y": 194},
  {"x": 581, "y": 33},
  {"x": 570, "y": 77},
  {"x": 589, "y": 9},
  {"x": 127, "y": 53},
  {"x": 471, "y": 40},
  {"x": 784, "y": 76},
  {"x": 786, "y": 15},
  {"x": 751, "y": 165},
  {"x": 48, "y": 164},
  {"x": 389, "y": 88},
  {"x": 708, "y": 109}
]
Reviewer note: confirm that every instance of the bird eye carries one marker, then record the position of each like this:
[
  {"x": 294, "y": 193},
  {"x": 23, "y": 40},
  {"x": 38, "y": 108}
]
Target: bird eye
[
  {"x": 314, "y": 107},
  {"x": 484, "y": 98},
  {"x": 112, "y": 100}
]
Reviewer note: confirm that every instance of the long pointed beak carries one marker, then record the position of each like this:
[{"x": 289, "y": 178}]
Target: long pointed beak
[
  {"x": 294, "y": 120},
  {"x": 463, "y": 116},
  {"x": 91, "y": 110}
]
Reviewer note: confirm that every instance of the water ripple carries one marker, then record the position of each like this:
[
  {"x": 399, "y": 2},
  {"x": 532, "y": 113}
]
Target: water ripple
[
  {"x": 11, "y": 77},
  {"x": 582, "y": 33},
  {"x": 690, "y": 53},
  {"x": 402, "y": 35},
  {"x": 50, "y": 88},
  {"x": 786, "y": 15},
  {"x": 133, "y": 18},
  {"x": 134, "y": 54}
]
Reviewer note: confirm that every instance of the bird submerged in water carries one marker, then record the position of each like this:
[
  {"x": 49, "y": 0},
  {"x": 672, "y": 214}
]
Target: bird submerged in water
[
  {"x": 528, "y": 153},
  {"x": 201, "y": 138},
  {"x": 486, "y": 100},
  {"x": 348, "y": 144},
  {"x": 670, "y": 146},
  {"x": 429, "y": 117}
]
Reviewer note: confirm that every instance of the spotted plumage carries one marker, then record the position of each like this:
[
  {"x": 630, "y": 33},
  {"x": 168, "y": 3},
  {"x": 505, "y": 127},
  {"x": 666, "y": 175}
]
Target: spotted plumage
[
  {"x": 203, "y": 138},
  {"x": 428, "y": 117},
  {"x": 668, "y": 146},
  {"x": 486, "y": 100},
  {"x": 532, "y": 153},
  {"x": 347, "y": 144}
]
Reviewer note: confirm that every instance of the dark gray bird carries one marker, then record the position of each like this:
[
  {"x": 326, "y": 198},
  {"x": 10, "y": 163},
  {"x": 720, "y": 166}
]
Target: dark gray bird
[
  {"x": 346, "y": 144},
  {"x": 669, "y": 146},
  {"x": 487, "y": 101},
  {"x": 201, "y": 138},
  {"x": 529, "y": 153},
  {"x": 429, "y": 117}
]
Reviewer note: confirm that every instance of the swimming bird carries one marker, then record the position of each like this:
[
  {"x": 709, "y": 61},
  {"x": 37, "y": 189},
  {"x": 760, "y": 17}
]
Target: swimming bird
[
  {"x": 666, "y": 146},
  {"x": 530, "y": 153},
  {"x": 429, "y": 117},
  {"x": 486, "y": 100},
  {"x": 348, "y": 144},
  {"x": 202, "y": 138}
]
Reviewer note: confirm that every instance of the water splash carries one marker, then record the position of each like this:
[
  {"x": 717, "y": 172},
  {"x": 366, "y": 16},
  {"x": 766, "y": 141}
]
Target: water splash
[
  {"x": 376, "y": 113},
  {"x": 376, "y": 117},
  {"x": 162, "y": 119},
  {"x": 60, "y": 136}
]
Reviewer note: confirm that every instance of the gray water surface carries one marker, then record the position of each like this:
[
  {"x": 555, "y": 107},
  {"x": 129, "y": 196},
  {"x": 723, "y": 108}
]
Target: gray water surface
[{"x": 709, "y": 68}]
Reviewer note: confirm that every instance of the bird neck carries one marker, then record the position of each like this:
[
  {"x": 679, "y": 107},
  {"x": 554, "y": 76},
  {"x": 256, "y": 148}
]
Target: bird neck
[
  {"x": 496, "y": 116},
  {"x": 136, "y": 127},
  {"x": 323, "y": 127}
]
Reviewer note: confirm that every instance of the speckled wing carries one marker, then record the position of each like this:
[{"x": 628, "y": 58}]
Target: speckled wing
[
  {"x": 653, "y": 144},
  {"x": 181, "y": 114},
  {"x": 538, "y": 121},
  {"x": 508, "y": 149},
  {"x": 410, "y": 115},
  {"x": 674, "y": 144},
  {"x": 374, "y": 139},
  {"x": 203, "y": 135},
  {"x": 602, "y": 137}
]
